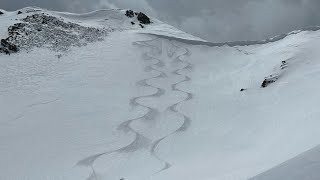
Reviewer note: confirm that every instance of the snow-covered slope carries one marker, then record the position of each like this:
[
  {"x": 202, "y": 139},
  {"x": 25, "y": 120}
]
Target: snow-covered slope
[
  {"x": 153, "y": 102},
  {"x": 305, "y": 166}
]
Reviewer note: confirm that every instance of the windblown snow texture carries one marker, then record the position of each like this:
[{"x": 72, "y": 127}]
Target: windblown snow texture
[{"x": 161, "y": 57}]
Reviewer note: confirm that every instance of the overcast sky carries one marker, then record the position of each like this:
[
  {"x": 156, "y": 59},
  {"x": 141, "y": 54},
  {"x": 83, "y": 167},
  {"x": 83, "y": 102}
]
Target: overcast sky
[{"x": 215, "y": 20}]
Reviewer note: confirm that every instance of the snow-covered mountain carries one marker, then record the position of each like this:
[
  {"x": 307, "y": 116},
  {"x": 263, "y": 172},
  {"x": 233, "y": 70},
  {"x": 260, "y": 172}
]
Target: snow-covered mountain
[{"x": 114, "y": 94}]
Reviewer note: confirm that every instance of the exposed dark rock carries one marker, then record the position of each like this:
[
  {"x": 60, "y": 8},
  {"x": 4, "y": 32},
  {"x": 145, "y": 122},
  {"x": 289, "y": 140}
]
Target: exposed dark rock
[
  {"x": 264, "y": 83},
  {"x": 242, "y": 90},
  {"x": 13, "y": 48},
  {"x": 38, "y": 30},
  {"x": 19, "y": 12},
  {"x": 7, "y": 47},
  {"x": 144, "y": 19},
  {"x": 284, "y": 65},
  {"x": 13, "y": 30},
  {"x": 1, "y": 12},
  {"x": 4, "y": 50},
  {"x": 49, "y": 20},
  {"x": 269, "y": 80},
  {"x": 133, "y": 23},
  {"x": 130, "y": 13},
  {"x": 4, "y": 42},
  {"x": 141, "y": 26}
]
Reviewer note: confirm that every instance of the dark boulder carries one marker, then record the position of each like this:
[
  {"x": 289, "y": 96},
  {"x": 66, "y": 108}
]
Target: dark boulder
[
  {"x": 4, "y": 42},
  {"x": 13, "y": 48},
  {"x": 265, "y": 83},
  {"x": 144, "y": 19},
  {"x": 4, "y": 50},
  {"x": 15, "y": 27},
  {"x": 19, "y": 25},
  {"x": 130, "y": 13},
  {"x": 19, "y": 12},
  {"x": 284, "y": 65},
  {"x": 269, "y": 80},
  {"x": 1, "y": 13},
  {"x": 8, "y": 47},
  {"x": 133, "y": 23}
]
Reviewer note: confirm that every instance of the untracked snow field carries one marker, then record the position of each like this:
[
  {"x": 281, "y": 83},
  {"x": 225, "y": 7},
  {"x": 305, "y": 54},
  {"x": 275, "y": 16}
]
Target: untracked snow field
[{"x": 139, "y": 107}]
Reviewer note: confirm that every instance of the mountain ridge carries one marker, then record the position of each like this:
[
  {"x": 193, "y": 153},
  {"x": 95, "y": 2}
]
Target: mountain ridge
[{"x": 160, "y": 29}]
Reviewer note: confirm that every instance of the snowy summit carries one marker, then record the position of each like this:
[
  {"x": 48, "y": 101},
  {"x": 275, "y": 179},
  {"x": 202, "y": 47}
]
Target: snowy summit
[{"x": 116, "y": 94}]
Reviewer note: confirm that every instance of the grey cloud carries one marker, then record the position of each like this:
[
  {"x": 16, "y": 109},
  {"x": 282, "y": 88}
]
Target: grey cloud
[
  {"x": 216, "y": 20},
  {"x": 226, "y": 20}
]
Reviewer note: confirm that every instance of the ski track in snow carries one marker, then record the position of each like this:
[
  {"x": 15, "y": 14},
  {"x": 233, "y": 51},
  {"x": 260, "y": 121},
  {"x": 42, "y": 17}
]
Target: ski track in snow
[
  {"x": 187, "y": 121},
  {"x": 140, "y": 141},
  {"x": 27, "y": 109}
]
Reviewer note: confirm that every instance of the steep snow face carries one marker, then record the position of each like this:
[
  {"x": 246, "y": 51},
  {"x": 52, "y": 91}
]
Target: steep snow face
[
  {"x": 116, "y": 19},
  {"x": 234, "y": 134},
  {"x": 140, "y": 106},
  {"x": 305, "y": 166}
]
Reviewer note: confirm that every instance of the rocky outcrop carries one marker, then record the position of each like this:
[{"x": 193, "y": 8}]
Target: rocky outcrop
[
  {"x": 1, "y": 13},
  {"x": 141, "y": 17},
  {"x": 39, "y": 30},
  {"x": 130, "y": 13},
  {"x": 269, "y": 80},
  {"x": 284, "y": 65},
  {"x": 7, "y": 47},
  {"x": 275, "y": 76},
  {"x": 144, "y": 19}
]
